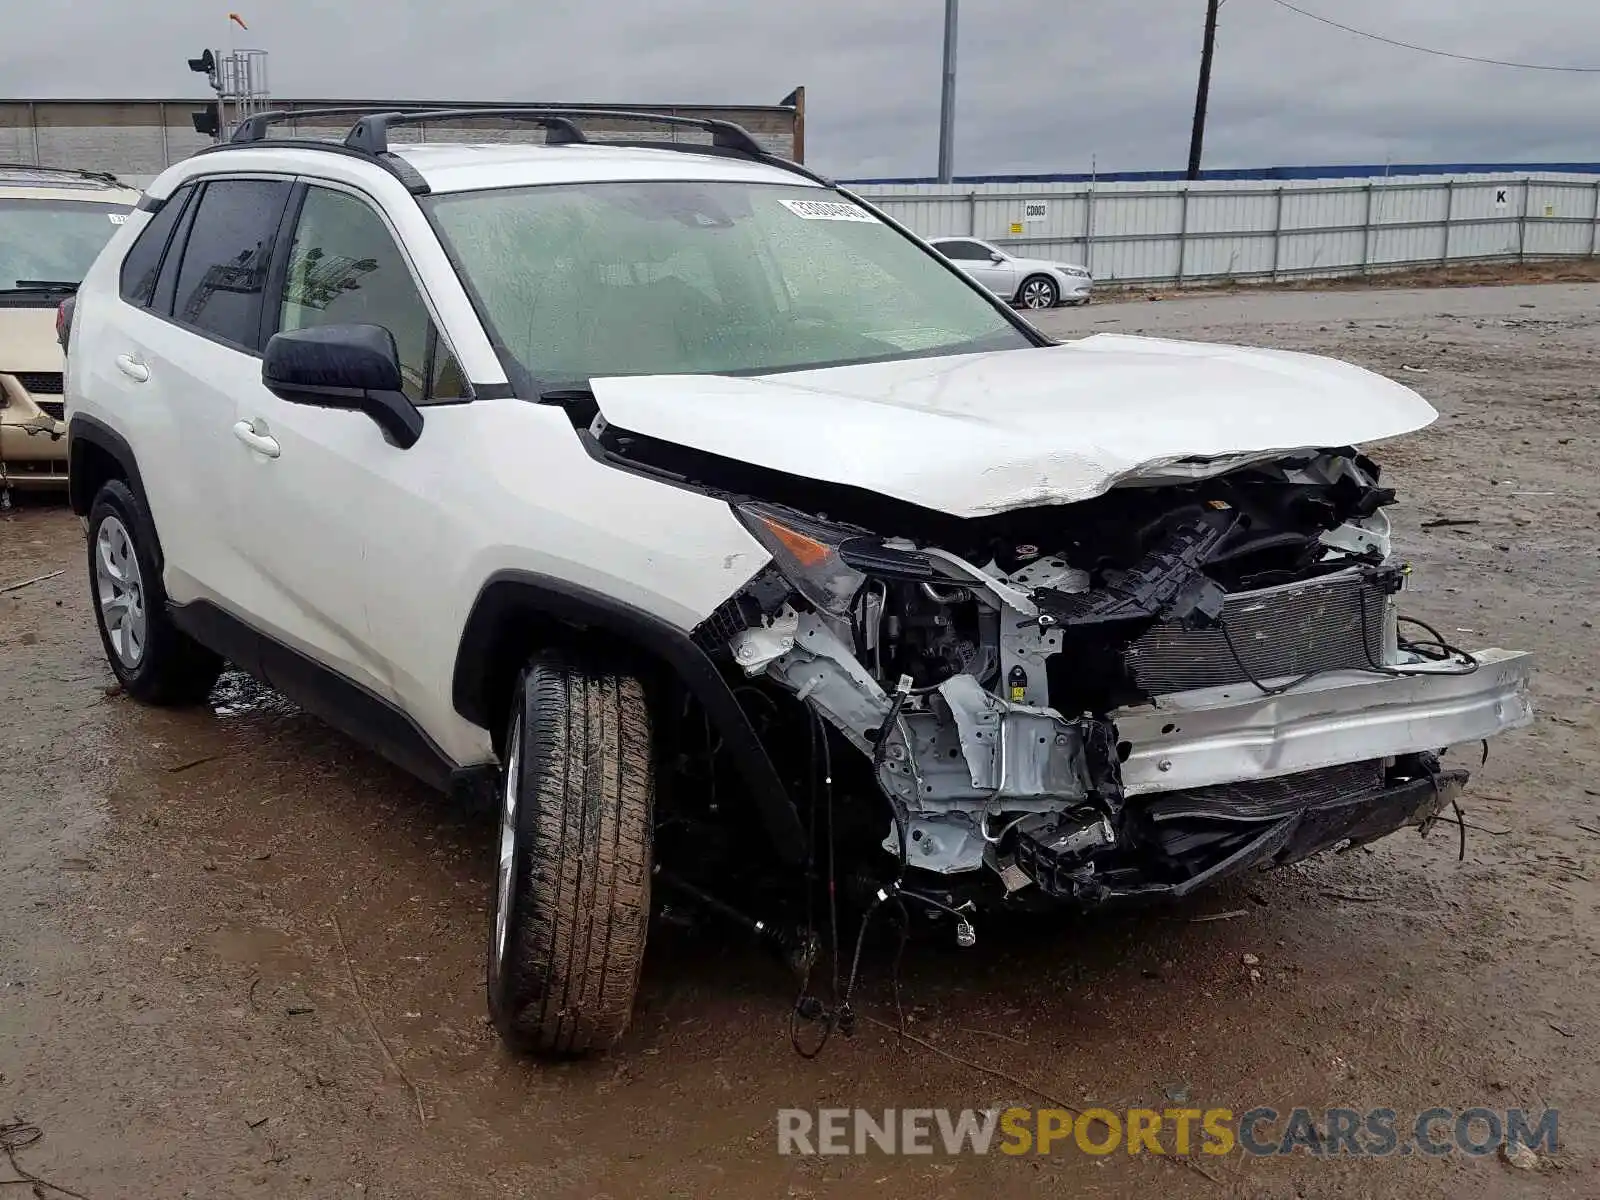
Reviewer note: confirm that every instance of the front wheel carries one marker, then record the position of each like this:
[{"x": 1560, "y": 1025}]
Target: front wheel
[
  {"x": 572, "y": 895},
  {"x": 1037, "y": 292}
]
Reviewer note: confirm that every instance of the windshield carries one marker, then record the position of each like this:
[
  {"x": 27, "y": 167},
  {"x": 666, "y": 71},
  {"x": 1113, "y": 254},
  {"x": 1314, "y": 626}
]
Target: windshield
[
  {"x": 668, "y": 278},
  {"x": 53, "y": 241}
]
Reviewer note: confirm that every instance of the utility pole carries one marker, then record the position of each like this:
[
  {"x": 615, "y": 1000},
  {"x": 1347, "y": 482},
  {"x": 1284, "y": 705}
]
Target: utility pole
[
  {"x": 1197, "y": 139},
  {"x": 947, "y": 96}
]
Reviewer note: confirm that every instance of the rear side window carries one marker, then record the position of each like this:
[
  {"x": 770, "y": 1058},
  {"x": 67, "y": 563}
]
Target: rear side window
[
  {"x": 225, "y": 258},
  {"x": 143, "y": 262},
  {"x": 167, "y": 281}
]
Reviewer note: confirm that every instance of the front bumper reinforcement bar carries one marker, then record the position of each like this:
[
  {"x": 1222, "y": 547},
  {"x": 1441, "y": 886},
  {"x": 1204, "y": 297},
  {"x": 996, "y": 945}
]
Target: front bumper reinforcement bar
[{"x": 1235, "y": 733}]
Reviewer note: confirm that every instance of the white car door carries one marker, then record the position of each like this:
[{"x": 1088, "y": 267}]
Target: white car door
[
  {"x": 977, "y": 260},
  {"x": 178, "y": 348},
  {"x": 317, "y": 488},
  {"x": 972, "y": 256},
  {"x": 999, "y": 277}
]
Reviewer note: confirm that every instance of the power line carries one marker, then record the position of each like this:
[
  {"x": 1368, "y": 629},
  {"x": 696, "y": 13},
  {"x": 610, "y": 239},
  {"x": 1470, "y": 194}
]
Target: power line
[{"x": 1472, "y": 58}]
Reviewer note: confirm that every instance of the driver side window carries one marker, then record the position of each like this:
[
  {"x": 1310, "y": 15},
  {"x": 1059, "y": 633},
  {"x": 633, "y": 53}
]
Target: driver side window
[{"x": 345, "y": 269}]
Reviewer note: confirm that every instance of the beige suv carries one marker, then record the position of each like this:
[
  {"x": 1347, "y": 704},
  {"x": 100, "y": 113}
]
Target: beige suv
[{"x": 53, "y": 223}]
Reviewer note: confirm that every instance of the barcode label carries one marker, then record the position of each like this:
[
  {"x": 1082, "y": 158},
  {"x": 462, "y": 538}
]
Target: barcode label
[{"x": 828, "y": 210}]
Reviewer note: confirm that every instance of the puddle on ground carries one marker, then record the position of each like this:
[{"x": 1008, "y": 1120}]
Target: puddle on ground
[{"x": 237, "y": 694}]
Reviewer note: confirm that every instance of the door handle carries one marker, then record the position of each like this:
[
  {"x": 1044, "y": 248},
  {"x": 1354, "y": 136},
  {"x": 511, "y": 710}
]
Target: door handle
[
  {"x": 258, "y": 442},
  {"x": 132, "y": 368}
]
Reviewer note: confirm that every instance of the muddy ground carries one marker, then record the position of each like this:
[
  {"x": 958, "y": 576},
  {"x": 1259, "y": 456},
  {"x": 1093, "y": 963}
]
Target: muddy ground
[
  {"x": 1557, "y": 270},
  {"x": 242, "y": 957}
]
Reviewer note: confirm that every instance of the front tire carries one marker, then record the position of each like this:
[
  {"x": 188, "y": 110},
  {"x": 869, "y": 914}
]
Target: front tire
[
  {"x": 152, "y": 658},
  {"x": 1038, "y": 292},
  {"x": 572, "y": 896}
]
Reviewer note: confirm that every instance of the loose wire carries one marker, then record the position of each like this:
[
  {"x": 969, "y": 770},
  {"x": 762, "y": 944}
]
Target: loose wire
[
  {"x": 1467, "y": 662},
  {"x": 1471, "y": 58},
  {"x": 836, "y": 1014}
]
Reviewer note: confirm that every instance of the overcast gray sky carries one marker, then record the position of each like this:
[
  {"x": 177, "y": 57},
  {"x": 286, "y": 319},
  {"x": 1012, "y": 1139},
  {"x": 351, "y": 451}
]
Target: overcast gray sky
[{"x": 1044, "y": 84}]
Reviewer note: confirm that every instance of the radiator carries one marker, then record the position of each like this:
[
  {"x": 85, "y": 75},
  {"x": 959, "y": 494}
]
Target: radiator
[{"x": 1314, "y": 625}]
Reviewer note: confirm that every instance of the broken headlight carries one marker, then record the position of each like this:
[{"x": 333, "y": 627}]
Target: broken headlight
[{"x": 807, "y": 552}]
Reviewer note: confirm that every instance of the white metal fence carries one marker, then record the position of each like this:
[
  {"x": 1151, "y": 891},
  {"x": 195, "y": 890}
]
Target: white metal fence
[{"x": 1249, "y": 230}]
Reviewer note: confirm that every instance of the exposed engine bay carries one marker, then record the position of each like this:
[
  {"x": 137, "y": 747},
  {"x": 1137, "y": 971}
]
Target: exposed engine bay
[{"x": 1130, "y": 696}]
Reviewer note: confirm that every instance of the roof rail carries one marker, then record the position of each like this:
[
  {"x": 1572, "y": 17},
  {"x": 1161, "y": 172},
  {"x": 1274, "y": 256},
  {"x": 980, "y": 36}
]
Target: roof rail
[
  {"x": 368, "y": 138},
  {"x": 767, "y": 157},
  {"x": 76, "y": 173},
  {"x": 254, "y": 127},
  {"x": 408, "y": 175},
  {"x": 371, "y": 134}
]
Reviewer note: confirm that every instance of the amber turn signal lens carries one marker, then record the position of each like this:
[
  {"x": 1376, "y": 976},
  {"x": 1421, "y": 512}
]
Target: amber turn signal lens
[{"x": 807, "y": 551}]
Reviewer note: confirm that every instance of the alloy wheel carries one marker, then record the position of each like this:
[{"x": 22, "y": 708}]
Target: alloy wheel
[
  {"x": 1037, "y": 293},
  {"x": 508, "y": 845},
  {"x": 119, "y": 592}
]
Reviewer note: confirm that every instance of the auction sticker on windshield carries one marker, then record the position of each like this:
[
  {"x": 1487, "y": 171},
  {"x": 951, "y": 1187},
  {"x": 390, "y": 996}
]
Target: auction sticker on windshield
[{"x": 828, "y": 210}]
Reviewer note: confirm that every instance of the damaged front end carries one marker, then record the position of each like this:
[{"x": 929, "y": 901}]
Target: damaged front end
[{"x": 1134, "y": 695}]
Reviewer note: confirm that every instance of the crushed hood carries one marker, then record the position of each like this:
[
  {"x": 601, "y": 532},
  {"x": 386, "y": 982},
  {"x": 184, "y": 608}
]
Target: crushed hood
[{"x": 976, "y": 434}]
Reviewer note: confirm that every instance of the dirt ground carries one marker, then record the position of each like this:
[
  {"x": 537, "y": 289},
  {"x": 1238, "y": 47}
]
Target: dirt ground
[
  {"x": 1549, "y": 270},
  {"x": 242, "y": 957}
]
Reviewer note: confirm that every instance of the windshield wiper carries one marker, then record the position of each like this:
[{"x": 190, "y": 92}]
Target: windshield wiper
[
  {"x": 565, "y": 395},
  {"x": 41, "y": 285},
  {"x": 581, "y": 406}
]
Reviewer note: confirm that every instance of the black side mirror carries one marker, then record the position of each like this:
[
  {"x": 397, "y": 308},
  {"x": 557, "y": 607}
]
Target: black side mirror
[{"x": 344, "y": 366}]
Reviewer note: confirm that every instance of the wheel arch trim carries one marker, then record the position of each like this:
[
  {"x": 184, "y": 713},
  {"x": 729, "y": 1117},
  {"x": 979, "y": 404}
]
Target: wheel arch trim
[
  {"x": 507, "y": 595},
  {"x": 84, "y": 430}
]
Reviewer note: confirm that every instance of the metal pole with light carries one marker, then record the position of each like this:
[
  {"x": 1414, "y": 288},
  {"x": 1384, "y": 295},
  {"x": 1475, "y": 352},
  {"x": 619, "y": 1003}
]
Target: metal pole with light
[
  {"x": 210, "y": 119},
  {"x": 947, "y": 96}
]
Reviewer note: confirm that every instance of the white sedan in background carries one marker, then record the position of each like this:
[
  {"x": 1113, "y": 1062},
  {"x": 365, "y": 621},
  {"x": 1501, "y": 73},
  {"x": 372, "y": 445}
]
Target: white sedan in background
[{"x": 1030, "y": 282}]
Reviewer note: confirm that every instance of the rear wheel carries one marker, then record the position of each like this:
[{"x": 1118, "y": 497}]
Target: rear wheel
[
  {"x": 572, "y": 895},
  {"x": 1038, "y": 291},
  {"x": 151, "y": 657}
]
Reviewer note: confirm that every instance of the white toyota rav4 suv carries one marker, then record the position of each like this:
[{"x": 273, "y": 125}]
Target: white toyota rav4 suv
[{"x": 732, "y": 540}]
